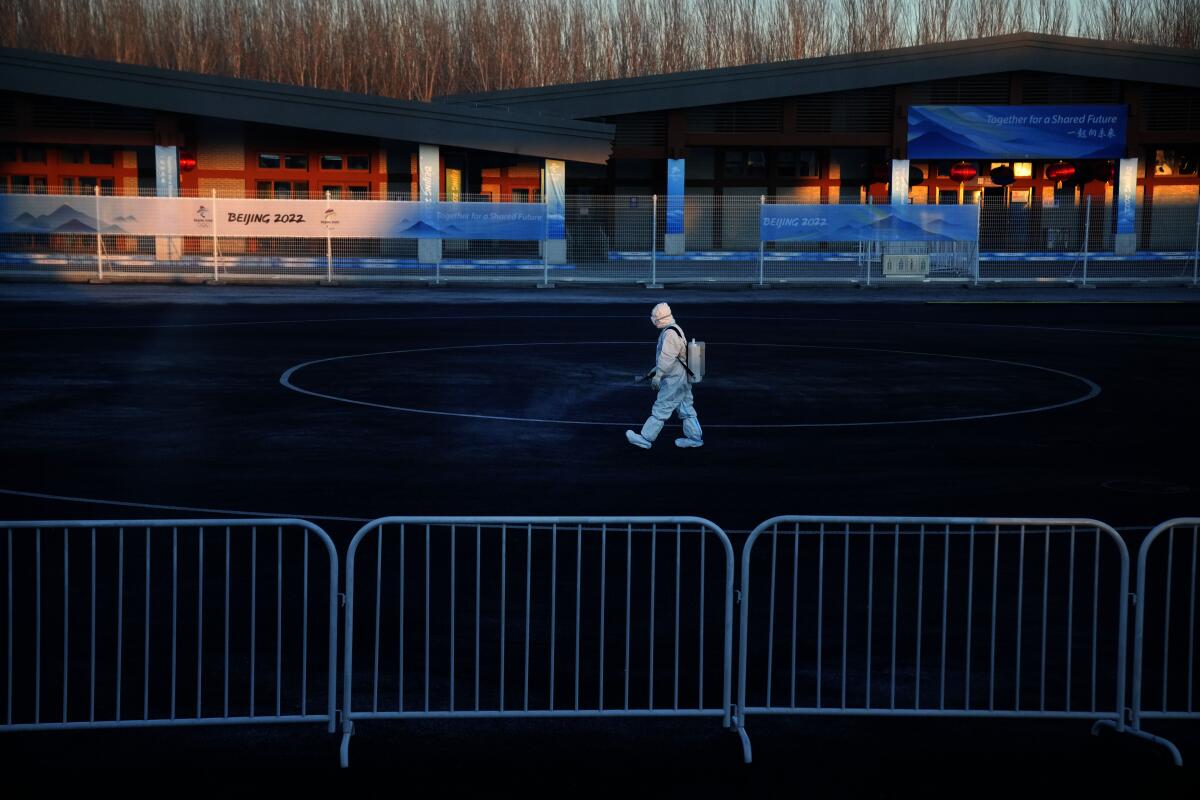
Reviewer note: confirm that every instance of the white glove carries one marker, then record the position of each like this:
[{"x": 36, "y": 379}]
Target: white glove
[{"x": 656, "y": 381}]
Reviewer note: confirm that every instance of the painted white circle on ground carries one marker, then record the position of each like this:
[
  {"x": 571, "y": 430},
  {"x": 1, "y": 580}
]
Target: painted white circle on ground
[{"x": 1092, "y": 389}]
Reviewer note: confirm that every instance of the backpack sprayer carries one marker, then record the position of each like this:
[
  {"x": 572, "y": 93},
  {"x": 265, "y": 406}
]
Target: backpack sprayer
[{"x": 694, "y": 363}]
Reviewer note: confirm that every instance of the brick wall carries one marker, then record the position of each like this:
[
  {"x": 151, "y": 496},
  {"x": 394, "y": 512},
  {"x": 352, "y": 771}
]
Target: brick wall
[
  {"x": 220, "y": 145},
  {"x": 225, "y": 187}
]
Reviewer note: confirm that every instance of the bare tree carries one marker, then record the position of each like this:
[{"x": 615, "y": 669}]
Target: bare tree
[
  {"x": 1049, "y": 16},
  {"x": 1113, "y": 20},
  {"x": 420, "y": 49},
  {"x": 871, "y": 25},
  {"x": 937, "y": 21}
]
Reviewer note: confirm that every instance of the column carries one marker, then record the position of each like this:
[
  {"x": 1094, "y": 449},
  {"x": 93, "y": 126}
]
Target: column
[
  {"x": 556, "y": 212},
  {"x": 900, "y": 173},
  {"x": 673, "y": 231},
  {"x": 1126, "y": 238},
  {"x": 429, "y": 251}
]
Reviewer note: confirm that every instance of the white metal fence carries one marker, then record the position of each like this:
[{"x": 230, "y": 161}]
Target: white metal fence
[
  {"x": 1164, "y": 629},
  {"x": 622, "y": 239},
  {"x": 933, "y": 617},
  {"x": 492, "y": 617},
  {"x": 158, "y": 623}
]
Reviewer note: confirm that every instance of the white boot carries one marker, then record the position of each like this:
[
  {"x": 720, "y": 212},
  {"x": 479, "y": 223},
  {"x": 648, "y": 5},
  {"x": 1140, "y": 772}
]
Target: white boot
[
  {"x": 684, "y": 442},
  {"x": 637, "y": 440}
]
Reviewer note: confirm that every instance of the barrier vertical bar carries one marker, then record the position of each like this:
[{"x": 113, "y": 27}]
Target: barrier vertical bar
[
  {"x": 762, "y": 199},
  {"x": 328, "y": 247},
  {"x": 215, "y": 246},
  {"x": 99, "y": 241},
  {"x": 1087, "y": 229}
]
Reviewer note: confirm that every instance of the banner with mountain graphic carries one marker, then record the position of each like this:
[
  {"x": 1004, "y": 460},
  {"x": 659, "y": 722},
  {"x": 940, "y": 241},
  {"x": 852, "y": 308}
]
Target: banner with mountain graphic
[
  {"x": 869, "y": 223},
  {"x": 985, "y": 132},
  {"x": 205, "y": 216}
]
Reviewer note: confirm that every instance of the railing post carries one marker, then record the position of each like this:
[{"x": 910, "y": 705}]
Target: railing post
[
  {"x": 762, "y": 200},
  {"x": 99, "y": 241},
  {"x": 978, "y": 233},
  {"x": 544, "y": 245},
  {"x": 654, "y": 240},
  {"x": 215, "y": 246},
  {"x": 328, "y": 246},
  {"x": 1196, "y": 249},
  {"x": 1087, "y": 230}
]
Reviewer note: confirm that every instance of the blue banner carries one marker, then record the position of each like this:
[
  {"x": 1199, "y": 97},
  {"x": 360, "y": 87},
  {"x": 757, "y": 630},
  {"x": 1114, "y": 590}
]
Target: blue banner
[
  {"x": 1126, "y": 195},
  {"x": 860, "y": 223},
  {"x": 675, "y": 173},
  {"x": 1085, "y": 131},
  {"x": 556, "y": 190},
  {"x": 166, "y": 171}
]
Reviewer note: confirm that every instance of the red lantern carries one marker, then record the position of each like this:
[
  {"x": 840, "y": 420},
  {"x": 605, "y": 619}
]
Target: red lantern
[
  {"x": 1003, "y": 176},
  {"x": 1060, "y": 171},
  {"x": 963, "y": 171},
  {"x": 187, "y": 161}
]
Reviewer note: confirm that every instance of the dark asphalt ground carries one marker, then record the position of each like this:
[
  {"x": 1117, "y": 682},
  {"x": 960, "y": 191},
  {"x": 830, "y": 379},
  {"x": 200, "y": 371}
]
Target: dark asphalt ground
[{"x": 888, "y": 406}]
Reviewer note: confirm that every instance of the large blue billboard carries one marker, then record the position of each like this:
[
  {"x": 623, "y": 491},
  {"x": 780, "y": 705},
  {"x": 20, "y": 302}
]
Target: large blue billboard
[
  {"x": 1082, "y": 131},
  {"x": 206, "y": 216},
  {"x": 875, "y": 223}
]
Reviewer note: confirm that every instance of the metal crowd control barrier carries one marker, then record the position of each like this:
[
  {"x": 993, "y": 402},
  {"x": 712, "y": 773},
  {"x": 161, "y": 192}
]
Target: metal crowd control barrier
[
  {"x": 497, "y": 617},
  {"x": 949, "y": 617},
  {"x": 1172, "y": 632},
  {"x": 130, "y": 623}
]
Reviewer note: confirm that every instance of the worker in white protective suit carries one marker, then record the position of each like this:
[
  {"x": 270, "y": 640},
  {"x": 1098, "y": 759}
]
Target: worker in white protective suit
[{"x": 670, "y": 378}]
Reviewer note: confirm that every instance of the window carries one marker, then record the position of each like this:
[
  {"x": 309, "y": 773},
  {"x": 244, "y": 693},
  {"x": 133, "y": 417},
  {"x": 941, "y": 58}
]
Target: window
[
  {"x": 8, "y": 152},
  {"x": 281, "y": 189},
  {"x": 68, "y": 185},
  {"x": 88, "y": 185},
  {"x": 33, "y": 154},
  {"x": 353, "y": 192},
  {"x": 101, "y": 155},
  {"x": 520, "y": 195},
  {"x": 23, "y": 184},
  {"x": 745, "y": 163},
  {"x": 796, "y": 164},
  {"x": 71, "y": 155},
  {"x": 358, "y": 162},
  {"x": 331, "y": 162},
  {"x": 286, "y": 161},
  {"x": 1174, "y": 161}
]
